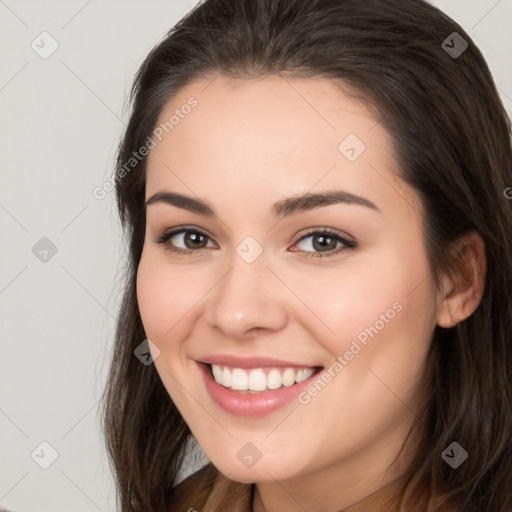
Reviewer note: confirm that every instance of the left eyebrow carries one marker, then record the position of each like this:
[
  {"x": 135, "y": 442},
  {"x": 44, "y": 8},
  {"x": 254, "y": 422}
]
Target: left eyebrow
[
  {"x": 309, "y": 201},
  {"x": 284, "y": 208}
]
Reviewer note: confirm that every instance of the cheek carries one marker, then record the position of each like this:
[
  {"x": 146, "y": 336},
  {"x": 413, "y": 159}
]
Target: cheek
[
  {"x": 165, "y": 298},
  {"x": 378, "y": 312},
  {"x": 371, "y": 288},
  {"x": 165, "y": 295},
  {"x": 161, "y": 297},
  {"x": 152, "y": 299},
  {"x": 348, "y": 300}
]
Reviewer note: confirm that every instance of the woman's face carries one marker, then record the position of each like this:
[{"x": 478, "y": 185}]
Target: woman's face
[{"x": 263, "y": 281}]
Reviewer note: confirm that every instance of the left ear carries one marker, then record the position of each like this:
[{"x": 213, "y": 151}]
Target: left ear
[{"x": 462, "y": 293}]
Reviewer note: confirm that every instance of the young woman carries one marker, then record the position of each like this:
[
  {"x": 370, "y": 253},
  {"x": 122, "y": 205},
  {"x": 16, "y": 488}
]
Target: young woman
[{"x": 317, "y": 201}]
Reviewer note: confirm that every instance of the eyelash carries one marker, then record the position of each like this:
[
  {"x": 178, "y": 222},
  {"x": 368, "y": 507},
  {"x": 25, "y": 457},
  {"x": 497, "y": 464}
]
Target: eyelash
[{"x": 162, "y": 239}]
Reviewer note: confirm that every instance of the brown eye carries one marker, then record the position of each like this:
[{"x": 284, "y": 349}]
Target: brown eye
[
  {"x": 325, "y": 243},
  {"x": 194, "y": 240},
  {"x": 191, "y": 239}
]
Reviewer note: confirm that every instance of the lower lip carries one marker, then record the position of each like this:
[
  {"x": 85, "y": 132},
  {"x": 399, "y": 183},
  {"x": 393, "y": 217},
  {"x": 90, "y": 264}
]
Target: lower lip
[{"x": 243, "y": 403}]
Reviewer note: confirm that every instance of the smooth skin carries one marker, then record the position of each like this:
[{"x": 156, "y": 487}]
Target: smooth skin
[{"x": 247, "y": 144}]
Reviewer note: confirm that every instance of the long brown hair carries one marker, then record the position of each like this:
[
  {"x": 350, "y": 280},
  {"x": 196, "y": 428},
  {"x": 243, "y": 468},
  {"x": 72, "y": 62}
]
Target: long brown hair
[{"x": 452, "y": 139}]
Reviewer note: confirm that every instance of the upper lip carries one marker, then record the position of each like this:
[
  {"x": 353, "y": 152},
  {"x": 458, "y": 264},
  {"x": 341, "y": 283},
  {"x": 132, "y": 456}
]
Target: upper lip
[{"x": 251, "y": 362}]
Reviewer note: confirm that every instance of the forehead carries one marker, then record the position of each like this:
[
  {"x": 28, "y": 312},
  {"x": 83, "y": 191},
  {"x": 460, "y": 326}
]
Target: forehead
[
  {"x": 268, "y": 105},
  {"x": 285, "y": 134}
]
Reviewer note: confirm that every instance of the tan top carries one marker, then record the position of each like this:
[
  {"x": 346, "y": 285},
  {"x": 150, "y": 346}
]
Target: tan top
[{"x": 208, "y": 490}]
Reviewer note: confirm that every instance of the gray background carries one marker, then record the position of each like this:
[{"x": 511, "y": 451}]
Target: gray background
[{"x": 62, "y": 117}]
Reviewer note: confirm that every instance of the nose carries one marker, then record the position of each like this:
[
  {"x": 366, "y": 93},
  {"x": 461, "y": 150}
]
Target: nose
[{"x": 249, "y": 298}]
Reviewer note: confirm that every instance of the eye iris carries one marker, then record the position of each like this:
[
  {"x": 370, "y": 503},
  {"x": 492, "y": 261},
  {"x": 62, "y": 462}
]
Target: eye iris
[
  {"x": 323, "y": 238},
  {"x": 194, "y": 237}
]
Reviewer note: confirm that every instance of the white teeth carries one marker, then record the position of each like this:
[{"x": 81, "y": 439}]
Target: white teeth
[
  {"x": 217, "y": 373},
  {"x": 274, "y": 380},
  {"x": 256, "y": 379},
  {"x": 226, "y": 377},
  {"x": 304, "y": 374},
  {"x": 239, "y": 380},
  {"x": 288, "y": 377}
]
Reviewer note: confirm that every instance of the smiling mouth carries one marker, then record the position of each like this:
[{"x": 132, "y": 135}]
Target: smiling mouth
[{"x": 258, "y": 380}]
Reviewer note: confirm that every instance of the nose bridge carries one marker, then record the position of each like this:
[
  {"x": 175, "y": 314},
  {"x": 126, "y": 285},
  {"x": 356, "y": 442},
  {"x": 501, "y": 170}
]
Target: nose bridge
[{"x": 249, "y": 295}]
